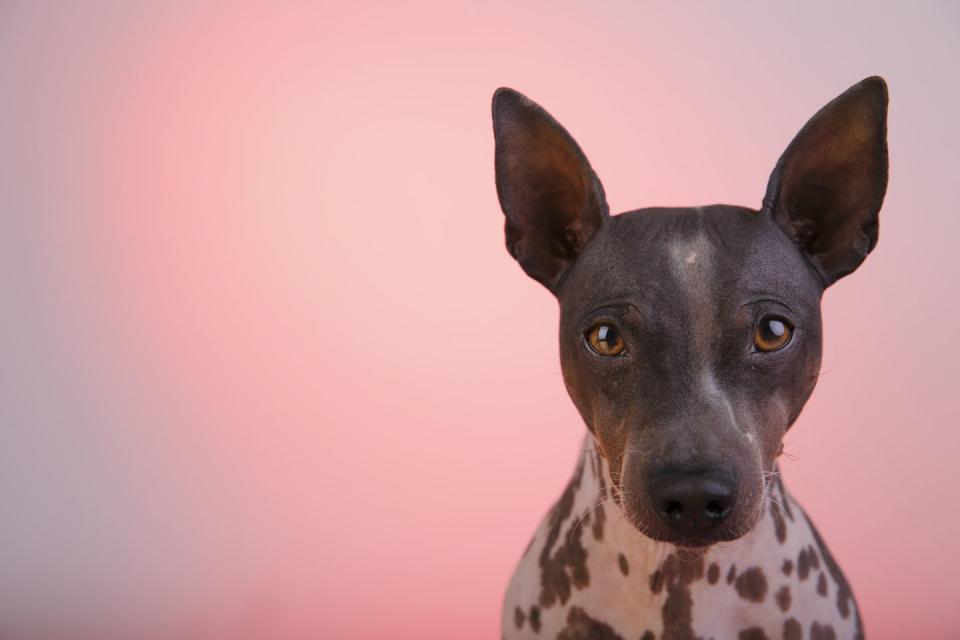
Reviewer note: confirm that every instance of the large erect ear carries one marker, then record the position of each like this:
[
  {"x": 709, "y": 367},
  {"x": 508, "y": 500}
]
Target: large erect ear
[
  {"x": 552, "y": 199},
  {"x": 828, "y": 186}
]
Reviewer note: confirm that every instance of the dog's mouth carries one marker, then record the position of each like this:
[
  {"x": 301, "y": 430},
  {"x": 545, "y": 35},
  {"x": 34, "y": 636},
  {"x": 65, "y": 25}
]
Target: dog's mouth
[{"x": 685, "y": 539}]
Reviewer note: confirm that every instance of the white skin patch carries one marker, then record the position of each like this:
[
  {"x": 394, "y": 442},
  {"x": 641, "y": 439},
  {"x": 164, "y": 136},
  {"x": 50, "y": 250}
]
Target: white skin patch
[
  {"x": 696, "y": 280},
  {"x": 686, "y": 252}
]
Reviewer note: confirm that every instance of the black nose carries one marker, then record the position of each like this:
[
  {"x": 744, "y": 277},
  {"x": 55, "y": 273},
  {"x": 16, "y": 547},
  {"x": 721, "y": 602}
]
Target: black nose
[{"x": 692, "y": 502}]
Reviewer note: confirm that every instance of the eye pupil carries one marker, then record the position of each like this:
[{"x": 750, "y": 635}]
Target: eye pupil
[{"x": 606, "y": 333}]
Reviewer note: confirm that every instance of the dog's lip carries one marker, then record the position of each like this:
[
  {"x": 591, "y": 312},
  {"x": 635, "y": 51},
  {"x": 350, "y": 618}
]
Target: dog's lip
[
  {"x": 692, "y": 542},
  {"x": 660, "y": 534}
]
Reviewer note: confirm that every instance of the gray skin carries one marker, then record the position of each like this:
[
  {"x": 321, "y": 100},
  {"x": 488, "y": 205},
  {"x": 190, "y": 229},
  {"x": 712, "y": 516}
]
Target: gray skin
[{"x": 687, "y": 290}]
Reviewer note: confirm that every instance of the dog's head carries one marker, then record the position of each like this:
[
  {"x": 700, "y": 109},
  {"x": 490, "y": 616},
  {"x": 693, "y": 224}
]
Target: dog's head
[{"x": 690, "y": 338}]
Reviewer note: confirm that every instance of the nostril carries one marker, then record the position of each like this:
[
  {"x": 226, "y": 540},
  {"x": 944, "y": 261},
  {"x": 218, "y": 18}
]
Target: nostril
[
  {"x": 692, "y": 502},
  {"x": 716, "y": 510},
  {"x": 673, "y": 510}
]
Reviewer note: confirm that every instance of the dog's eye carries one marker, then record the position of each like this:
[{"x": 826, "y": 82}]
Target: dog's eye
[
  {"x": 605, "y": 339},
  {"x": 772, "y": 333}
]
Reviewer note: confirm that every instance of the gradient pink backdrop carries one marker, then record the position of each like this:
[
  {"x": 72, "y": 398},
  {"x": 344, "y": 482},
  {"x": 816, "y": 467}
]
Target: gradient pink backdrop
[{"x": 269, "y": 372}]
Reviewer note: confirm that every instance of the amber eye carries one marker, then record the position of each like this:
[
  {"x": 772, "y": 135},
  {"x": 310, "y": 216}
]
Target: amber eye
[
  {"x": 772, "y": 333},
  {"x": 605, "y": 339}
]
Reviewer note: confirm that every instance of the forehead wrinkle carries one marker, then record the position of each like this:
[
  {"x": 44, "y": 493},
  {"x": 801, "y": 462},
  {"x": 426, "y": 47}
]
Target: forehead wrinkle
[{"x": 769, "y": 267}]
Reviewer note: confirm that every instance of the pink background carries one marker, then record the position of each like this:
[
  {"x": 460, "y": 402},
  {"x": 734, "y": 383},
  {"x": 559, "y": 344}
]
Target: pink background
[{"x": 268, "y": 371}]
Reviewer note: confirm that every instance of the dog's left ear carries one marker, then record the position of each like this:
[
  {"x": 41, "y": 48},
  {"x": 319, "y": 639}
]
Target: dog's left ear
[
  {"x": 828, "y": 186},
  {"x": 552, "y": 199}
]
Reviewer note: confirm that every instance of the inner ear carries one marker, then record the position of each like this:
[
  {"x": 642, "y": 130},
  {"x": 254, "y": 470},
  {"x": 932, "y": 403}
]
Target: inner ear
[
  {"x": 551, "y": 197},
  {"x": 827, "y": 188}
]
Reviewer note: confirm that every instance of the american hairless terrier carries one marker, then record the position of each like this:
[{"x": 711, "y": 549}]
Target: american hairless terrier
[{"x": 690, "y": 339}]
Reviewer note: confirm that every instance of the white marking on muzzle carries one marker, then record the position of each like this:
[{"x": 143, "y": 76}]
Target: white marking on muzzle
[{"x": 710, "y": 388}]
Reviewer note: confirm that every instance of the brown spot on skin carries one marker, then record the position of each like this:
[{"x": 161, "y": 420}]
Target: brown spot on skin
[
  {"x": 822, "y": 585},
  {"x": 844, "y": 595},
  {"x": 822, "y": 632},
  {"x": 752, "y": 585},
  {"x": 581, "y": 626},
  {"x": 803, "y": 564},
  {"x": 677, "y": 614},
  {"x": 565, "y": 568},
  {"x": 535, "y": 619},
  {"x": 679, "y": 571},
  {"x": 753, "y": 633},
  {"x": 783, "y": 598},
  {"x": 599, "y": 522},
  {"x": 731, "y": 574},
  {"x": 787, "y": 567},
  {"x": 792, "y": 630},
  {"x": 624, "y": 567},
  {"x": 648, "y": 635},
  {"x": 779, "y": 524},
  {"x": 519, "y": 617},
  {"x": 656, "y": 581},
  {"x": 814, "y": 558},
  {"x": 713, "y": 573}
]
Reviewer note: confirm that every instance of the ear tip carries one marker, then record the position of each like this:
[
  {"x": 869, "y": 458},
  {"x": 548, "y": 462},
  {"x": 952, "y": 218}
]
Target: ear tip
[
  {"x": 503, "y": 95},
  {"x": 505, "y": 98},
  {"x": 876, "y": 86}
]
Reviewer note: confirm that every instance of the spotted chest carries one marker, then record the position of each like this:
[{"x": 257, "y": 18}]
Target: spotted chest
[{"x": 589, "y": 574}]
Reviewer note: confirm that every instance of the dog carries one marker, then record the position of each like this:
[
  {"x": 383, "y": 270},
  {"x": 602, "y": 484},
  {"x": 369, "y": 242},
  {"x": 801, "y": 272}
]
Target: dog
[{"x": 690, "y": 340}]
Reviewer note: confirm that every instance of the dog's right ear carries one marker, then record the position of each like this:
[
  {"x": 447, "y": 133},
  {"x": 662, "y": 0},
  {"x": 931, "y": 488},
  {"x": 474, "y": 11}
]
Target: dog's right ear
[{"x": 551, "y": 197}]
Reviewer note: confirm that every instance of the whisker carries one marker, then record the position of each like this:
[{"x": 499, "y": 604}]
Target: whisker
[{"x": 792, "y": 456}]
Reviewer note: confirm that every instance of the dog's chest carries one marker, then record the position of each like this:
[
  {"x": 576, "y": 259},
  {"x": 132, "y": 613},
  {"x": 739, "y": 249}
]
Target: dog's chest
[{"x": 588, "y": 574}]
